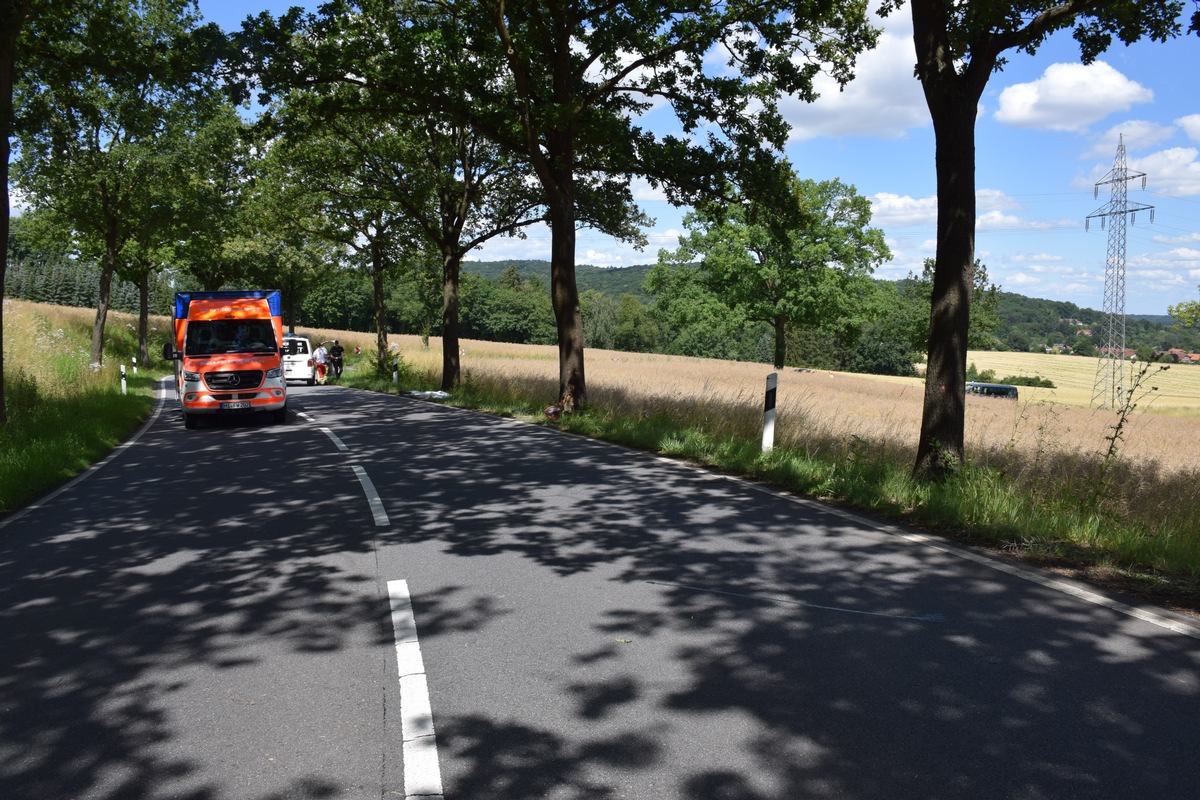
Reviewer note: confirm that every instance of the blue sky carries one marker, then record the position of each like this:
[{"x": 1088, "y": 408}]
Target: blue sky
[{"x": 1047, "y": 131}]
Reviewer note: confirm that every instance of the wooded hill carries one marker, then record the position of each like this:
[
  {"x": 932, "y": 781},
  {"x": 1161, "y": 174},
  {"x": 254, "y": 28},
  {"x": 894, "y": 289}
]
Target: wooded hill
[{"x": 1025, "y": 322}]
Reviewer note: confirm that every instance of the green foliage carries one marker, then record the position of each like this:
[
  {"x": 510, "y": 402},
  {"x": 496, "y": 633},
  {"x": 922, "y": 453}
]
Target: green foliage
[
  {"x": 986, "y": 376},
  {"x": 881, "y": 353},
  {"x": 101, "y": 127},
  {"x": 520, "y": 313},
  {"x": 693, "y": 320},
  {"x": 40, "y": 269},
  {"x": 1186, "y": 314},
  {"x": 916, "y": 292},
  {"x": 1025, "y": 380},
  {"x": 599, "y": 319},
  {"x": 785, "y": 263},
  {"x": 636, "y": 331}
]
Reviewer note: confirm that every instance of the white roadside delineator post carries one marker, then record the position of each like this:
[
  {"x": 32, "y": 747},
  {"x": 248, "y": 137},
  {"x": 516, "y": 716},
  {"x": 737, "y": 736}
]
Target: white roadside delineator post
[{"x": 768, "y": 435}]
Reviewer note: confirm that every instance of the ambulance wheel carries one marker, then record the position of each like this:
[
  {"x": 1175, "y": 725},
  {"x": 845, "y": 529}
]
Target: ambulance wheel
[{"x": 190, "y": 421}]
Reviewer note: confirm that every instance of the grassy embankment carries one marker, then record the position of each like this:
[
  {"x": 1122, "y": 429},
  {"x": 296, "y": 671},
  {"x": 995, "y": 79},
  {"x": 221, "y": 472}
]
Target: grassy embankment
[
  {"x": 1050, "y": 480},
  {"x": 63, "y": 415}
]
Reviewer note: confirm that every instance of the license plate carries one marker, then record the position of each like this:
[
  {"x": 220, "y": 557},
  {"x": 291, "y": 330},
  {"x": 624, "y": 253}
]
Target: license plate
[{"x": 242, "y": 404}]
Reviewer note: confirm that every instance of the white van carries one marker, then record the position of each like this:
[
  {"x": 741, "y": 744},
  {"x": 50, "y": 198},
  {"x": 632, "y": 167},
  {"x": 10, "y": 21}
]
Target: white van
[{"x": 297, "y": 359}]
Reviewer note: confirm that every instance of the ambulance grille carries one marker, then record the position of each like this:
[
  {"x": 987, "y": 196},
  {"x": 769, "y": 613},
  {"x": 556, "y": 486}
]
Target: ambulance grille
[{"x": 228, "y": 381}]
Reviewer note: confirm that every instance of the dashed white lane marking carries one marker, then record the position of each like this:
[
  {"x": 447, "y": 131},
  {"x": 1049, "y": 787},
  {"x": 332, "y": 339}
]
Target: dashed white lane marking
[
  {"x": 338, "y": 443},
  {"x": 422, "y": 775},
  {"x": 373, "y": 499}
]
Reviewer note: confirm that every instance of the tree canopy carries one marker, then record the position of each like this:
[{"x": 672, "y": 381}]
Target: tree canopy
[
  {"x": 115, "y": 86},
  {"x": 786, "y": 266},
  {"x": 574, "y": 78}
]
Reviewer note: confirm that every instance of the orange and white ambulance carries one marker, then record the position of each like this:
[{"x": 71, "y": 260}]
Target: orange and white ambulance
[{"x": 228, "y": 353}]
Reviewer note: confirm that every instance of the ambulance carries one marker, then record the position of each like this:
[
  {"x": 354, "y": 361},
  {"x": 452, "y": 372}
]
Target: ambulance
[{"x": 227, "y": 351}]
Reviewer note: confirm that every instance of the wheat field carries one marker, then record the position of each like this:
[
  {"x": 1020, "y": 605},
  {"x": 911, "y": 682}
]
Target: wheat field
[{"x": 1164, "y": 431}]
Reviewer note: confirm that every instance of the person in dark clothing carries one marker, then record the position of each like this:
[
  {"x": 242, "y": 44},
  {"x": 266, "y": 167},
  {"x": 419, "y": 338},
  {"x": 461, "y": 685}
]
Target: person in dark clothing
[{"x": 335, "y": 357}]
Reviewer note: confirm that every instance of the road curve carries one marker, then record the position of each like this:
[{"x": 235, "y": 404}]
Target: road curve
[{"x": 213, "y": 614}]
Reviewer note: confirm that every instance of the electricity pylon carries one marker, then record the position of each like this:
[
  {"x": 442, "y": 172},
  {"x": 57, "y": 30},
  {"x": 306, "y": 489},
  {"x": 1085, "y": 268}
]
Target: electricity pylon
[{"x": 1109, "y": 388}]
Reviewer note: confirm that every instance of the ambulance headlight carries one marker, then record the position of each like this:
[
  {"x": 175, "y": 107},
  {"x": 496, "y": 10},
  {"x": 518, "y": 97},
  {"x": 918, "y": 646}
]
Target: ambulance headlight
[
  {"x": 275, "y": 373},
  {"x": 191, "y": 377}
]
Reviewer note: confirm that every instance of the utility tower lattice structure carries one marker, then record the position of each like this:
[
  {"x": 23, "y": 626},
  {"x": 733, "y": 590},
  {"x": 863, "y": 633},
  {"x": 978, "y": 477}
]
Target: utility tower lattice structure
[{"x": 1109, "y": 388}]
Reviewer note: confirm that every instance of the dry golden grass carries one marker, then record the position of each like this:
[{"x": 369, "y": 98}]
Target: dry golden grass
[
  {"x": 38, "y": 347},
  {"x": 1045, "y": 425}
]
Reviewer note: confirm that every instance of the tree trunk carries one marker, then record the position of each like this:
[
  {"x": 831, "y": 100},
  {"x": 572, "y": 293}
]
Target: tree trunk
[
  {"x": 144, "y": 318},
  {"x": 11, "y": 21},
  {"x": 381, "y": 342},
  {"x": 451, "y": 365},
  {"x": 568, "y": 318},
  {"x": 780, "y": 326},
  {"x": 105, "y": 294},
  {"x": 953, "y": 102}
]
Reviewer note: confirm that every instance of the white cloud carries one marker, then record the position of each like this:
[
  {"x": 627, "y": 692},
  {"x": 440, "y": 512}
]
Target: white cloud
[
  {"x": 1188, "y": 237},
  {"x": 1174, "y": 172},
  {"x": 643, "y": 192},
  {"x": 893, "y": 209},
  {"x": 1038, "y": 257},
  {"x": 997, "y": 220},
  {"x": 1056, "y": 269},
  {"x": 884, "y": 100},
  {"x": 1069, "y": 97},
  {"x": 994, "y": 200},
  {"x": 1021, "y": 279},
  {"x": 1191, "y": 126},
  {"x": 1137, "y": 134},
  {"x": 601, "y": 258}
]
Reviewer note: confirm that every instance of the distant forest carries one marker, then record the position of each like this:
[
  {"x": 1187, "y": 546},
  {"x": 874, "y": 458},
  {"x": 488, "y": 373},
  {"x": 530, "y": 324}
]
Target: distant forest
[
  {"x": 1026, "y": 323},
  {"x": 509, "y": 301}
]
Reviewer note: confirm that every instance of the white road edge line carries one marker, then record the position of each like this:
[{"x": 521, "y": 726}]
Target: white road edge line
[
  {"x": 422, "y": 775},
  {"x": 373, "y": 499},
  {"x": 1076, "y": 590}
]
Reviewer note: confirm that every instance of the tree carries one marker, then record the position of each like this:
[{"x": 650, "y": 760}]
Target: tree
[
  {"x": 959, "y": 46},
  {"x": 13, "y": 15},
  {"x": 94, "y": 118},
  {"x": 917, "y": 291},
  {"x": 599, "y": 319},
  {"x": 576, "y": 76},
  {"x": 224, "y": 158},
  {"x": 636, "y": 331},
  {"x": 775, "y": 271},
  {"x": 694, "y": 321},
  {"x": 432, "y": 177},
  {"x": 1186, "y": 313}
]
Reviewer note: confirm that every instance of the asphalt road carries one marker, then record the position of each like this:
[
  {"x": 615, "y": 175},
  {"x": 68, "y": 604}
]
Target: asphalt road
[{"x": 389, "y": 598}]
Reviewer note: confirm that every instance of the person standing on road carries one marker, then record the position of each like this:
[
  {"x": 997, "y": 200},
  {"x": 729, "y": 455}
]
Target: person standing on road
[
  {"x": 321, "y": 361},
  {"x": 335, "y": 357}
]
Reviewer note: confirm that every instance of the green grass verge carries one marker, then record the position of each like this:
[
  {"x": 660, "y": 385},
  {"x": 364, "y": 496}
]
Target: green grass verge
[{"x": 49, "y": 439}]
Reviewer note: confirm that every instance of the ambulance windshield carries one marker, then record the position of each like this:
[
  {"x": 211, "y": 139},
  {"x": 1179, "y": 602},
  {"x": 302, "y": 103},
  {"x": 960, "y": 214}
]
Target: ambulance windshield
[{"x": 208, "y": 337}]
